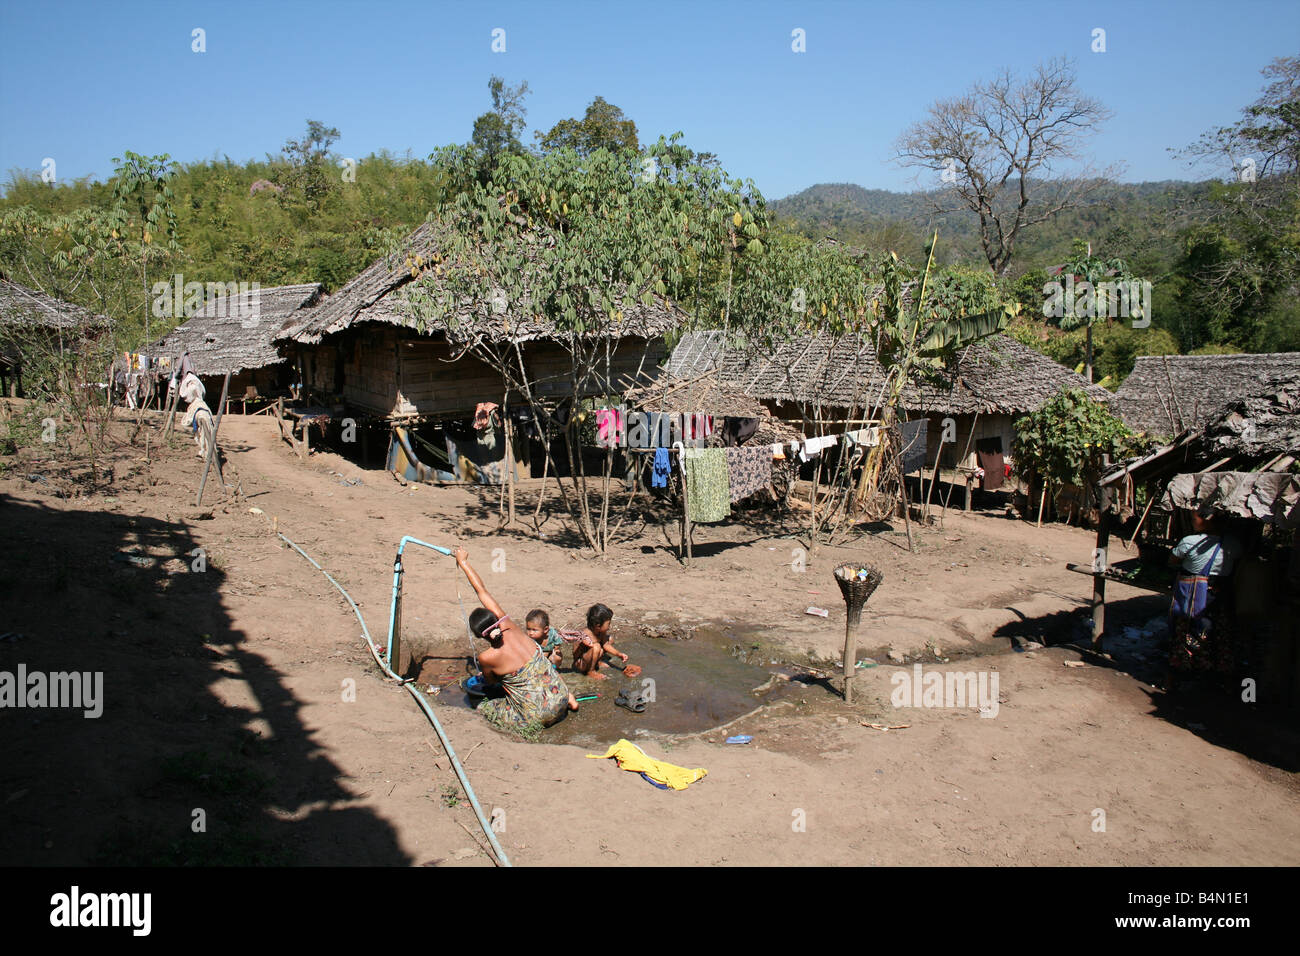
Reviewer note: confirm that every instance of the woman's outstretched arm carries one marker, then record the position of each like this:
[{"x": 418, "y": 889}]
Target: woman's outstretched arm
[{"x": 476, "y": 582}]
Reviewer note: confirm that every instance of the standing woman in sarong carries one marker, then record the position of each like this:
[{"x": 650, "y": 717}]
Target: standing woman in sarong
[{"x": 1201, "y": 613}]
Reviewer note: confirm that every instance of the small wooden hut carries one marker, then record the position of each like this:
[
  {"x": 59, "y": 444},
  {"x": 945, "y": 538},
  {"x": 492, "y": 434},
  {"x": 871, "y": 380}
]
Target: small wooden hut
[
  {"x": 237, "y": 334},
  {"x": 1243, "y": 467},
  {"x": 28, "y": 319},
  {"x": 970, "y": 408},
  {"x": 370, "y": 350}
]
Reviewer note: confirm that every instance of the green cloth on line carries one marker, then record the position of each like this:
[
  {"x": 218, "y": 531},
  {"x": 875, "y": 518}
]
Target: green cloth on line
[{"x": 708, "y": 489}]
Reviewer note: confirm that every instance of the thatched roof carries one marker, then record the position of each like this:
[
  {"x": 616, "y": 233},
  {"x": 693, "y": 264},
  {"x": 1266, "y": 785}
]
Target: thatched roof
[
  {"x": 1264, "y": 495},
  {"x": 379, "y": 294},
  {"x": 700, "y": 395},
  {"x": 238, "y": 332},
  {"x": 21, "y": 306},
  {"x": 1167, "y": 394},
  {"x": 1258, "y": 427},
  {"x": 1254, "y": 435},
  {"x": 996, "y": 376}
]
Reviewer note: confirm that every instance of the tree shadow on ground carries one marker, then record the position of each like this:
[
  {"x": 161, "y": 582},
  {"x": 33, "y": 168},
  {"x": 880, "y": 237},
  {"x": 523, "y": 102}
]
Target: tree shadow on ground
[
  {"x": 1209, "y": 707},
  {"x": 168, "y": 774}
]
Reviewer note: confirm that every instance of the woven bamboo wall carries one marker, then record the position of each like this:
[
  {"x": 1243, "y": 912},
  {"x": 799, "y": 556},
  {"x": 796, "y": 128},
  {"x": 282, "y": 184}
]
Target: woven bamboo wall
[
  {"x": 988, "y": 426},
  {"x": 370, "y": 369},
  {"x": 432, "y": 385}
]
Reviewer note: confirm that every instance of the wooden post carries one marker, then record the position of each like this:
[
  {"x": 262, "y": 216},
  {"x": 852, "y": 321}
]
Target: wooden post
[
  {"x": 850, "y": 650},
  {"x": 686, "y": 513},
  {"x": 510, "y": 465},
  {"x": 907, "y": 508},
  {"x": 212, "y": 445},
  {"x": 1099, "y": 565},
  {"x": 1042, "y": 500},
  {"x": 175, "y": 398}
]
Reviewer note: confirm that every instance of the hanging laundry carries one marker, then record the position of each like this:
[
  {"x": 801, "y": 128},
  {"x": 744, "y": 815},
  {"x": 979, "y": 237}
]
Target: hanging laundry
[
  {"x": 609, "y": 426},
  {"x": 662, "y": 468},
  {"x": 915, "y": 437},
  {"x": 697, "y": 427},
  {"x": 749, "y": 471},
  {"x": 483, "y": 413},
  {"x": 736, "y": 431},
  {"x": 869, "y": 437},
  {"x": 815, "y": 446},
  {"x": 632, "y": 758},
  {"x": 989, "y": 453},
  {"x": 708, "y": 495},
  {"x": 778, "y": 451},
  {"x": 659, "y": 426}
]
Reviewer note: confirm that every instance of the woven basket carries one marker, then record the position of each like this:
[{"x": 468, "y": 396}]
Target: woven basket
[{"x": 856, "y": 590}]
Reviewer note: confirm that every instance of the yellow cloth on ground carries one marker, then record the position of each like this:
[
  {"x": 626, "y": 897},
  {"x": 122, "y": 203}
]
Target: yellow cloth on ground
[{"x": 632, "y": 758}]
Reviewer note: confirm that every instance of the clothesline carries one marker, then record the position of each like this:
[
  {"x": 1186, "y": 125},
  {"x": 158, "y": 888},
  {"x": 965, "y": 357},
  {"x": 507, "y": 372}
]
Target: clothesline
[{"x": 859, "y": 436}]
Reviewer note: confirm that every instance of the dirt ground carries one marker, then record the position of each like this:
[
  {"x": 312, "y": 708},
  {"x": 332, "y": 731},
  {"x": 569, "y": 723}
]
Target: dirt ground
[{"x": 245, "y": 722}]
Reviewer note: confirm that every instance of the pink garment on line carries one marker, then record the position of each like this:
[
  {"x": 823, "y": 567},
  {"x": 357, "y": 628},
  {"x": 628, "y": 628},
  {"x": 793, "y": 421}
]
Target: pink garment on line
[{"x": 609, "y": 425}]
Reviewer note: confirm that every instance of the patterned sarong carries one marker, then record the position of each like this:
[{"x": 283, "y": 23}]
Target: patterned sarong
[{"x": 536, "y": 697}]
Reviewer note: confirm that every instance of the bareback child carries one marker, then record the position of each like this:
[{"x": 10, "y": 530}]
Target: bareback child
[
  {"x": 538, "y": 627},
  {"x": 595, "y": 643}
]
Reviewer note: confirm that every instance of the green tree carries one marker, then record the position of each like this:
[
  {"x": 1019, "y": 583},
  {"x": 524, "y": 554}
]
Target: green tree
[
  {"x": 143, "y": 208},
  {"x": 1241, "y": 261},
  {"x": 1092, "y": 290},
  {"x": 308, "y": 176},
  {"x": 496, "y": 132},
  {"x": 602, "y": 127},
  {"x": 576, "y": 244},
  {"x": 1068, "y": 442}
]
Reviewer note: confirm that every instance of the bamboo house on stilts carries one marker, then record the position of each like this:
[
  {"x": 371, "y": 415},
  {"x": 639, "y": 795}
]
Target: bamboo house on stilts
[{"x": 455, "y": 398}]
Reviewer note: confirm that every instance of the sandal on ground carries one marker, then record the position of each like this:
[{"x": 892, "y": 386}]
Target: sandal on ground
[{"x": 635, "y": 701}]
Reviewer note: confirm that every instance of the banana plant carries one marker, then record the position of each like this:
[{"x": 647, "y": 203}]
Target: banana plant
[
  {"x": 1100, "y": 278},
  {"x": 923, "y": 336}
]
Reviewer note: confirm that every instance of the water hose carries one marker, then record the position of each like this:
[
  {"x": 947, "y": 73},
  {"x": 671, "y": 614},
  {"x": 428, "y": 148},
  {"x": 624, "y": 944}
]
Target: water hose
[{"x": 502, "y": 859}]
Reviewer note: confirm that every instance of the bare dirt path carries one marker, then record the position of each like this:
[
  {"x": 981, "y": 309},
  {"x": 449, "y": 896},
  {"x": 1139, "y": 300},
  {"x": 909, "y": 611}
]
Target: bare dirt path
[{"x": 245, "y": 691}]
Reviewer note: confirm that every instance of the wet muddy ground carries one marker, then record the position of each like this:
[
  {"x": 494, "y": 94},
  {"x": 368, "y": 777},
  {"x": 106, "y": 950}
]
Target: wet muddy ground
[{"x": 692, "y": 685}]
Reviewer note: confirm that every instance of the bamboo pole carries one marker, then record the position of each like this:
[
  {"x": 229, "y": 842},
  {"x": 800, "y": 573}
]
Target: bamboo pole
[
  {"x": 907, "y": 505},
  {"x": 1099, "y": 566},
  {"x": 174, "y": 399},
  {"x": 686, "y": 554},
  {"x": 510, "y": 464},
  {"x": 212, "y": 445}
]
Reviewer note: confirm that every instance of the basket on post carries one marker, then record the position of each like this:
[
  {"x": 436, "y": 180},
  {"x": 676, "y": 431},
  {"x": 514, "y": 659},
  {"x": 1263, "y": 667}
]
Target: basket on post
[{"x": 857, "y": 583}]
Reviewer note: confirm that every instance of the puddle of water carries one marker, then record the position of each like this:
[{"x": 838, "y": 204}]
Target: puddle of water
[{"x": 697, "y": 684}]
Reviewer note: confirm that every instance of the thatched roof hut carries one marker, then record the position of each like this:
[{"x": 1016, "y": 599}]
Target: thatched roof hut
[
  {"x": 703, "y": 395},
  {"x": 374, "y": 346},
  {"x": 236, "y": 333},
  {"x": 27, "y": 316},
  {"x": 379, "y": 295},
  {"x": 1253, "y": 435},
  {"x": 21, "y": 307},
  {"x": 1168, "y": 394},
  {"x": 996, "y": 376}
]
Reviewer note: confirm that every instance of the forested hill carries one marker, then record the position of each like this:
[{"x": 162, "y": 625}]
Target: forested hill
[{"x": 1143, "y": 217}]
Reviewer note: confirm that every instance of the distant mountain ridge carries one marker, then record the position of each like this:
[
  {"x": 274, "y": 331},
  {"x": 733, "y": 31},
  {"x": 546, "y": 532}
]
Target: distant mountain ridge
[{"x": 1123, "y": 213}]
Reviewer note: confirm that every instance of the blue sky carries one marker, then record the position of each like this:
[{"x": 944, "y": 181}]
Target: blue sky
[{"x": 82, "y": 81}]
